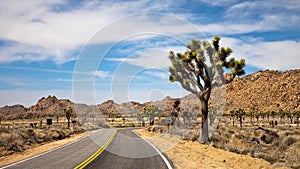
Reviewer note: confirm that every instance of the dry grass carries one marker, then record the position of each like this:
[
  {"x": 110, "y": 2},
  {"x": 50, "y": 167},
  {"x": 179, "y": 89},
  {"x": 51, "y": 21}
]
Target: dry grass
[
  {"x": 280, "y": 146},
  {"x": 18, "y": 140},
  {"x": 192, "y": 155},
  {"x": 37, "y": 149}
]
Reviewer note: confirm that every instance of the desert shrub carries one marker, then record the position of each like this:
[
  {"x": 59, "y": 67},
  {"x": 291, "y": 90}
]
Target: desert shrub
[
  {"x": 4, "y": 139},
  {"x": 234, "y": 150},
  {"x": 267, "y": 158},
  {"x": 227, "y": 135},
  {"x": 15, "y": 142},
  {"x": 231, "y": 132},
  {"x": 246, "y": 151},
  {"x": 296, "y": 167},
  {"x": 269, "y": 138},
  {"x": 156, "y": 128},
  {"x": 191, "y": 135},
  {"x": 239, "y": 136},
  {"x": 289, "y": 141}
]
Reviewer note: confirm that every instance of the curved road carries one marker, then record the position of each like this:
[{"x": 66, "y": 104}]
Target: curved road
[
  {"x": 127, "y": 150},
  {"x": 67, "y": 156}
]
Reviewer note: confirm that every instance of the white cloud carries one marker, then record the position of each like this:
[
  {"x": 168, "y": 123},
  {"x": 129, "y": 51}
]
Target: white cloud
[
  {"x": 276, "y": 15},
  {"x": 162, "y": 74},
  {"x": 100, "y": 74},
  {"x": 53, "y": 35},
  {"x": 151, "y": 57},
  {"x": 278, "y": 55},
  {"x": 219, "y": 2},
  {"x": 43, "y": 34}
]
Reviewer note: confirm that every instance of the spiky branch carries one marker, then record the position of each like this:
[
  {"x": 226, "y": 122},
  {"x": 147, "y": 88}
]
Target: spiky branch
[{"x": 199, "y": 76}]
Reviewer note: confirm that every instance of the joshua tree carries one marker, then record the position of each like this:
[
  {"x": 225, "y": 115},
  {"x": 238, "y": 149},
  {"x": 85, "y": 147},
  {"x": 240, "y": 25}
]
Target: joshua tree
[
  {"x": 200, "y": 69},
  {"x": 268, "y": 116},
  {"x": 151, "y": 111},
  {"x": 29, "y": 115},
  {"x": 257, "y": 117},
  {"x": 175, "y": 112},
  {"x": 297, "y": 115},
  {"x": 140, "y": 117},
  {"x": 251, "y": 115},
  {"x": 68, "y": 113},
  {"x": 273, "y": 114},
  {"x": 232, "y": 115},
  {"x": 290, "y": 116},
  {"x": 240, "y": 113}
]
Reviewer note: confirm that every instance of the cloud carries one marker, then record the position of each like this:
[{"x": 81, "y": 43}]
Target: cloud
[
  {"x": 219, "y": 2},
  {"x": 279, "y": 14},
  {"x": 100, "y": 74},
  {"x": 278, "y": 55},
  {"x": 42, "y": 33},
  {"x": 151, "y": 57},
  {"x": 161, "y": 74}
]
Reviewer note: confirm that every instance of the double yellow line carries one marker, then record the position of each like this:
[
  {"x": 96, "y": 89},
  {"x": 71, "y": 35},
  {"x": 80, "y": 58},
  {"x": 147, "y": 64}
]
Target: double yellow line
[{"x": 97, "y": 153}]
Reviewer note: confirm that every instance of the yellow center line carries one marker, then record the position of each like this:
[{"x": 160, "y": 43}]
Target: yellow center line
[{"x": 97, "y": 153}]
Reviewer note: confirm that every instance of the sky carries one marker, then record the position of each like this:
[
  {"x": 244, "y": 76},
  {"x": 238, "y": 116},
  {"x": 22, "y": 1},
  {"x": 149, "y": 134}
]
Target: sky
[{"x": 92, "y": 51}]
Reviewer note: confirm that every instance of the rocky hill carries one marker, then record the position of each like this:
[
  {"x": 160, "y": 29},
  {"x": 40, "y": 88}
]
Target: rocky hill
[
  {"x": 261, "y": 91},
  {"x": 265, "y": 91},
  {"x": 50, "y": 105}
]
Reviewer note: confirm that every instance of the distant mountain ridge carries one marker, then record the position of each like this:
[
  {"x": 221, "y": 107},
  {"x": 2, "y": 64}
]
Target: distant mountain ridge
[{"x": 261, "y": 91}]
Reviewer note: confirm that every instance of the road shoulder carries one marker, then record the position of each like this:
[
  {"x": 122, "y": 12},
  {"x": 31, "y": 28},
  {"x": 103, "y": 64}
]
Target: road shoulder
[{"x": 188, "y": 154}]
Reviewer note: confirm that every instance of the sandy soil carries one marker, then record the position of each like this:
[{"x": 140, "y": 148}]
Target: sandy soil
[
  {"x": 192, "y": 155},
  {"x": 38, "y": 150}
]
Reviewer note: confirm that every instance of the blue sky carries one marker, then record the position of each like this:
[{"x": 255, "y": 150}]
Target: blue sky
[{"x": 91, "y": 51}]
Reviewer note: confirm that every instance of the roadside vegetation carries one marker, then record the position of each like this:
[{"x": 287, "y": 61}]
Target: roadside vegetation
[{"x": 24, "y": 132}]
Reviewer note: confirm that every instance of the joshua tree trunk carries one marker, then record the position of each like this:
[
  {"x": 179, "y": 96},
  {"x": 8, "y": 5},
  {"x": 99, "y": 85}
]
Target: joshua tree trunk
[
  {"x": 241, "y": 122},
  {"x": 204, "y": 125},
  {"x": 68, "y": 122}
]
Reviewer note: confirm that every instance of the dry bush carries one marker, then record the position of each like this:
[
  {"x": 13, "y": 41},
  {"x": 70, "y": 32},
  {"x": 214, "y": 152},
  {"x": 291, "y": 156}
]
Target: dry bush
[
  {"x": 17, "y": 140},
  {"x": 191, "y": 135},
  {"x": 157, "y": 128}
]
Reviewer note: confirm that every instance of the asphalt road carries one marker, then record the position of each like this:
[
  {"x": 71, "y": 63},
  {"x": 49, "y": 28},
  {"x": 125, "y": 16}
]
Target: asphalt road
[
  {"x": 67, "y": 156},
  {"x": 128, "y": 150}
]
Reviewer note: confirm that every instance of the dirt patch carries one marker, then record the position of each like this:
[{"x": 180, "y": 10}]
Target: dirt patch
[
  {"x": 192, "y": 155},
  {"x": 37, "y": 149}
]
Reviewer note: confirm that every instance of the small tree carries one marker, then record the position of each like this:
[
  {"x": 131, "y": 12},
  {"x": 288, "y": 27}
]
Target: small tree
[
  {"x": 201, "y": 68},
  {"x": 240, "y": 113},
  {"x": 268, "y": 116},
  {"x": 290, "y": 116},
  {"x": 175, "y": 111},
  {"x": 68, "y": 112},
  {"x": 30, "y": 115},
  {"x": 140, "y": 117},
  {"x": 297, "y": 115},
  {"x": 251, "y": 115},
  {"x": 257, "y": 118},
  {"x": 152, "y": 111},
  {"x": 232, "y": 115}
]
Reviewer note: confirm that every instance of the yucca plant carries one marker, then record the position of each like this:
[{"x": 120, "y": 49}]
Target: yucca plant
[{"x": 201, "y": 68}]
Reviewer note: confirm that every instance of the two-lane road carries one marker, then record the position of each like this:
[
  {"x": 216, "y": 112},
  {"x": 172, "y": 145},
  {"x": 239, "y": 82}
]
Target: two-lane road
[
  {"x": 67, "y": 156},
  {"x": 129, "y": 151},
  {"x": 126, "y": 150}
]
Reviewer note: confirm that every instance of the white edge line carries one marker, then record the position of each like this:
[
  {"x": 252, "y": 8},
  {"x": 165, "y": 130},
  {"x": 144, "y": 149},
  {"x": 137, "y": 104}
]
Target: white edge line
[
  {"x": 10, "y": 165},
  {"x": 161, "y": 155}
]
